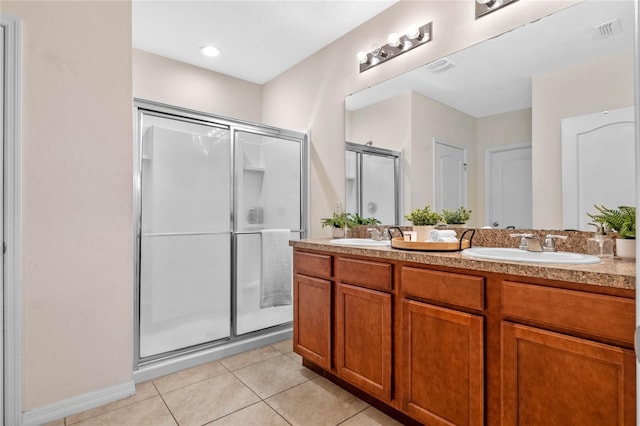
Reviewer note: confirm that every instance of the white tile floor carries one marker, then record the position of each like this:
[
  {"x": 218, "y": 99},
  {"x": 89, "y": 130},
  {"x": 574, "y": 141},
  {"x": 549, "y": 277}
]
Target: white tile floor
[{"x": 265, "y": 386}]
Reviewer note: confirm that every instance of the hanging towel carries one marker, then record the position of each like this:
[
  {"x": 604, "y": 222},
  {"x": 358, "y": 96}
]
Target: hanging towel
[
  {"x": 276, "y": 280},
  {"x": 436, "y": 234}
]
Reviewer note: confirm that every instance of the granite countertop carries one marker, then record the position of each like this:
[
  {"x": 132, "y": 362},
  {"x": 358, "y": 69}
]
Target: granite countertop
[{"x": 616, "y": 273}]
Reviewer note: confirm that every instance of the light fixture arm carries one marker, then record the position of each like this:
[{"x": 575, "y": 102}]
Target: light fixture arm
[{"x": 396, "y": 45}]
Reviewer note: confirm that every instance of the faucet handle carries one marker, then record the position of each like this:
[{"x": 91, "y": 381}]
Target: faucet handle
[
  {"x": 523, "y": 240},
  {"x": 550, "y": 242},
  {"x": 375, "y": 234}
]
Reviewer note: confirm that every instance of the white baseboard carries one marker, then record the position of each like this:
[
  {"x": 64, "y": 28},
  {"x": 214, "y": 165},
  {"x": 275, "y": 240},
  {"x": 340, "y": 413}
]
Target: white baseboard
[
  {"x": 171, "y": 365},
  {"x": 78, "y": 404}
]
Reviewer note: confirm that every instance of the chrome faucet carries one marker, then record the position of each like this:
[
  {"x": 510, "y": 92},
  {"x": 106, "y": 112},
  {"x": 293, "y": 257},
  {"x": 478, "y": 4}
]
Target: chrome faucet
[
  {"x": 377, "y": 236},
  {"x": 528, "y": 242}
]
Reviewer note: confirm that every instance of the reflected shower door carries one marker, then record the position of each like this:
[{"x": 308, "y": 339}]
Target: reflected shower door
[
  {"x": 379, "y": 188},
  {"x": 352, "y": 182},
  {"x": 268, "y": 197},
  {"x": 185, "y": 235}
]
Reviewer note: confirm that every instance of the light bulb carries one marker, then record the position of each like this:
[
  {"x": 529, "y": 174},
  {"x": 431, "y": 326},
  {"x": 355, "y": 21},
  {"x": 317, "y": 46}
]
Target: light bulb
[
  {"x": 413, "y": 32},
  {"x": 394, "y": 40},
  {"x": 210, "y": 51},
  {"x": 363, "y": 58}
]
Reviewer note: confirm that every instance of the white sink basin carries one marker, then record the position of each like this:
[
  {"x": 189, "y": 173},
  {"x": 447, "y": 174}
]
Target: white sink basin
[
  {"x": 360, "y": 242},
  {"x": 517, "y": 255}
]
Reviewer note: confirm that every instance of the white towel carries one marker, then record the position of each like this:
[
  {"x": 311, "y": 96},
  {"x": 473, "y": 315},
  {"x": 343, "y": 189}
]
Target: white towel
[
  {"x": 447, "y": 240},
  {"x": 436, "y": 234},
  {"x": 276, "y": 280}
]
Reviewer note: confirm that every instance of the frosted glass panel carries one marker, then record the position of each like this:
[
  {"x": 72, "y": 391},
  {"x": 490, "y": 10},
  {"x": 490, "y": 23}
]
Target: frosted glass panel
[
  {"x": 351, "y": 182},
  {"x": 184, "y": 292},
  {"x": 378, "y": 188},
  {"x": 185, "y": 276},
  {"x": 250, "y": 316},
  {"x": 185, "y": 180},
  {"x": 268, "y": 181}
]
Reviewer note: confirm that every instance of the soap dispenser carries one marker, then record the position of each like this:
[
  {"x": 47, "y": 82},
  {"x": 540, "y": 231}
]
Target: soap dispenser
[{"x": 600, "y": 244}]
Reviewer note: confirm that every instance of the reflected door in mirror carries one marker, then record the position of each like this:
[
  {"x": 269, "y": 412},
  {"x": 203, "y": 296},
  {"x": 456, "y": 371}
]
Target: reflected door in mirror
[
  {"x": 509, "y": 188},
  {"x": 598, "y": 164},
  {"x": 450, "y": 176}
]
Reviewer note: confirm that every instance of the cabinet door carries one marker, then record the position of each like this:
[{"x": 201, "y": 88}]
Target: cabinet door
[
  {"x": 442, "y": 365},
  {"x": 312, "y": 319},
  {"x": 363, "y": 339},
  {"x": 553, "y": 379}
]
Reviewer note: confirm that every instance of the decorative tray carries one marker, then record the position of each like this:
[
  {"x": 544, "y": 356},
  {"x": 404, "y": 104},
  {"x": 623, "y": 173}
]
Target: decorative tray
[{"x": 462, "y": 244}]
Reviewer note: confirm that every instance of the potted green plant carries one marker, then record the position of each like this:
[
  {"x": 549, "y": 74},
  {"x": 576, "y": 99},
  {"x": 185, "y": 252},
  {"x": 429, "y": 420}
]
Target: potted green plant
[
  {"x": 456, "y": 217},
  {"x": 337, "y": 223},
  {"x": 354, "y": 219},
  {"x": 423, "y": 220},
  {"x": 623, "y": 221}
]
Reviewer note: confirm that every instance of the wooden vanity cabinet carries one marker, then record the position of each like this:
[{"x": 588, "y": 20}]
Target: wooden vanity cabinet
[
  {"x": 556, "y": 377},
  {"x": 442, "y": 349},
  {"x": 312, "y": 307},
  {"x": 364, "y": 325}
]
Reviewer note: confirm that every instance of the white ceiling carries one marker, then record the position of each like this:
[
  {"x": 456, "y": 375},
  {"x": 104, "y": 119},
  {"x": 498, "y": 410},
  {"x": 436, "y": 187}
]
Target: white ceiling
[
  {"x": 495, "y": 76},
  {"x": 258, "y": 39}
]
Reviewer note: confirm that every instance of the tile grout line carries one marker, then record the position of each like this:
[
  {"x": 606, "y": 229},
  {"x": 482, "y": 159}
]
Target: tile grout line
[
  {"x": 350, "y": 417},
  {"x": 187, "y": 385},
  {"x": 271, "y": 396},
  {"x": 165, "y": 404},
  {"x": 253, "y": 363}
]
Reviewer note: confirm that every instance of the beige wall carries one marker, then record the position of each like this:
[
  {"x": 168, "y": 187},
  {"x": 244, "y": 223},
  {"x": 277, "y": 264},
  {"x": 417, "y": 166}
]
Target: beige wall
[
  {"x": 77, "y": 197},
  {"x": 310, "y": 96},
  {"x": 581, "y": 89},
  {"x": 494, "y": 130},
  {"x": 164, "y": 80}
]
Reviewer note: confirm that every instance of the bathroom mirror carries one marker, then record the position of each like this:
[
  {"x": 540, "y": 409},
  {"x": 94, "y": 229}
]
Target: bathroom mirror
[{"x": 484, "y": 115}]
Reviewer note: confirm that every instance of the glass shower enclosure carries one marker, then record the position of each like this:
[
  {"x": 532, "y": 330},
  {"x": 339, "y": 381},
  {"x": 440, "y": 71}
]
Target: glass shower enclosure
[
  {"x": 372, "y": 182},
  {"x": 217, "y": 201}
]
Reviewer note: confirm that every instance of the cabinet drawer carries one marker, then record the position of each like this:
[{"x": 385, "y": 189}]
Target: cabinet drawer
[
  {"x": 595, "y": 314},
  {"x": 316, "y": 265},
  {"x": 456, "y": 289},
  {"x": 364, "y": 273}
]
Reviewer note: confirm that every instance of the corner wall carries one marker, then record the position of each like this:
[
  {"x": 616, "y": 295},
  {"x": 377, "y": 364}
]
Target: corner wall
[{"x": 77, "y": 198}]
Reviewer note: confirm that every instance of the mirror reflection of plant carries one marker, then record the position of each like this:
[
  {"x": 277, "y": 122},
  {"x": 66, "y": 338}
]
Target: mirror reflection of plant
[
  {"x": 424, "y": 217},
  {"x": 622, "y": 220},
  {"x": 354, "y": 219},
  {"x": 340, "y": 220},
  {"x": 456, "y": 217}
]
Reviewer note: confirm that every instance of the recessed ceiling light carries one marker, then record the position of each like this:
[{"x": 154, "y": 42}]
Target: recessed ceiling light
[{"x": 210, "y": 51}]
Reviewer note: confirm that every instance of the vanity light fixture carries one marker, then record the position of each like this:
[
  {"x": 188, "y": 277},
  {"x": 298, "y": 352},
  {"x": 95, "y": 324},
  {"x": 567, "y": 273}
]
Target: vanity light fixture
[
  {"x": 396, "y": 45},
  {"x": 210, "y": 51},
  {"x": 487, "y": 6}
]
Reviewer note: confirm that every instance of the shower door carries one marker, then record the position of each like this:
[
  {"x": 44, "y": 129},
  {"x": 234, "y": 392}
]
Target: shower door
[
  {"x": 185, "y": 238},
  {"x": 269, "y": 176},
  {"x": 372, "y": 182}
]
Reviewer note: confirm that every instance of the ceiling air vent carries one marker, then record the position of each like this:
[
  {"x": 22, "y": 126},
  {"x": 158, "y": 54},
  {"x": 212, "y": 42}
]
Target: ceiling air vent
[
  {"x": 607, "y": 29},
  {"x": 440, "y": 65}
]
